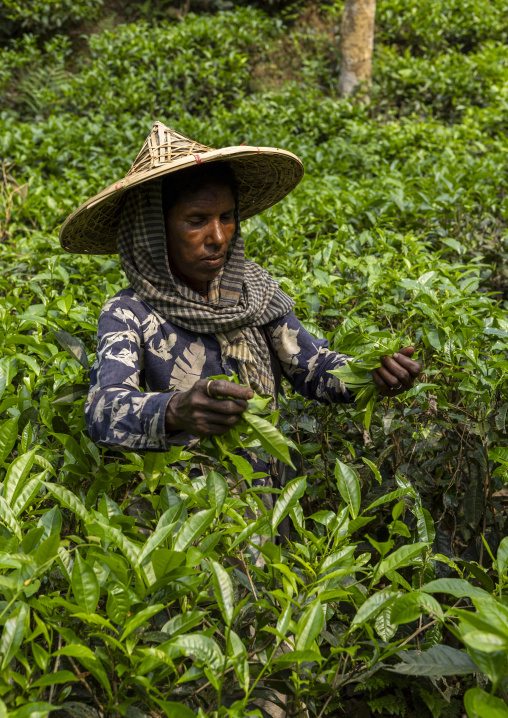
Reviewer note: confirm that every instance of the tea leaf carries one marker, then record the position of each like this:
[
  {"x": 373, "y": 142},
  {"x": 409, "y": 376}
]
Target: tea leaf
[
  {"x": 140, "y": 618},
  {"x": 349, "y": 488},
  {"x": 270, "y": 438},
  {"x": 217, "y": 490},
  {"x": 84, "y": 584},
  {"x": 73, "y": 346},
  {"x": 192, "y": 528},
  {"x": 223, "y": 590},
  {"x": 293, "y": 491},
  {"x": 437, "y": 661},
  {"x": 67, "y": 499},
  {"x": 309, "y": 626},
  {"x": 8, "y": 436},
  {"x": 400, "y": 557},
  {"x": 12, "y": 635},
  {"x": 480, "y": 704}
]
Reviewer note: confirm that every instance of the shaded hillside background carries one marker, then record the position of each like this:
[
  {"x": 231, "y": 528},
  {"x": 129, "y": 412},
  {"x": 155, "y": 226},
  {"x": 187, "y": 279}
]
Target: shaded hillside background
[{"x": 400, "y": 223}]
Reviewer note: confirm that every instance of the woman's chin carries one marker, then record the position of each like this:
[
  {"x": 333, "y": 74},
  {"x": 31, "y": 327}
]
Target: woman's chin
[{"x": 199, "y": 279}]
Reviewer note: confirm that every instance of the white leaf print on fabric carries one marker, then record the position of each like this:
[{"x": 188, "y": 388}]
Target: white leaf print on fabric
[
  {"x": 286, "y": 344},
  {"x": 125, "y": 356},
  {"x": 153, "y": 426},
  {"x": 151, "y": 326},
  {"x": 315, "y": 360},
  {"x": 119, "y": 412},
  {"x": 125, "y": 316},
  {"x": 163, "y": 351},
  {"x": 138, "y": 402},
  {"x": 127, "y": 380},
  {"x": 110, "y": 305},
  {"x": 98, "y": 414},
  {"x": 327, "y": 385},
  {"x": 109, "y": 338},
  {"x": 333, "y": 383},
  {"x": 130, "y": 441},
  {"x": 188, "y": 368}
]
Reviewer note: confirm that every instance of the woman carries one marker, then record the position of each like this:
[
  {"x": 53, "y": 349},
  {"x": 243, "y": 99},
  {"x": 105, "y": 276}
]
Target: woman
[{"x": 195, "y": 306}]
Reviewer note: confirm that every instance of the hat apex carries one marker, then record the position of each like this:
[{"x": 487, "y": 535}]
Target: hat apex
[{"x": 163, "y": 146}]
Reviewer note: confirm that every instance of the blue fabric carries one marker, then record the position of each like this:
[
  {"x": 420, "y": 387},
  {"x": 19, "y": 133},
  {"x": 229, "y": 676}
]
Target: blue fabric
[{"x": 142, "y": 359}]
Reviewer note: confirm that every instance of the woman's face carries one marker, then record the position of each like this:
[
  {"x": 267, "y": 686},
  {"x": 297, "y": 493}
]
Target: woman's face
[{"x": 199, "y": 228}]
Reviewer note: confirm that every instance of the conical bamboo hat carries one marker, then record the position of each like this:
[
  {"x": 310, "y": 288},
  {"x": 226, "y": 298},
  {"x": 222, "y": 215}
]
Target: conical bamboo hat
[{"x": 264, "y": 176}]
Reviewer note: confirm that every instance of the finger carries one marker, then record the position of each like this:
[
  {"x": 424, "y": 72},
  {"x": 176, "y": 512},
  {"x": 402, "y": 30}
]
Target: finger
[
  {"x": 210, "y": 430},
  {"x": 210, "y": 426},
  {"x": 395, "y": 370},
  {"x": 407, "y": 351},
  {"x": 212, "y": 417},
  {"x": 221, "y": 387},
  {"x": 200, "y": 401},
  {"x": 391, "y": 380},
  {"x": 217, "y": 429},
  {"x": 379, "y": 381},
  {"x": 225, "y": 406},
  {"x": 413, "y": 367}
]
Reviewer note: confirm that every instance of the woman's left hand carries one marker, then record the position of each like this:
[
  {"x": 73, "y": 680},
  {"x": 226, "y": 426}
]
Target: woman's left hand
[{"x": 398, "y": 372}]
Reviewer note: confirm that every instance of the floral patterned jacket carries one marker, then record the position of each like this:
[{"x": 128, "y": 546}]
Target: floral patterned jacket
[{"x": 142, "y": 359}]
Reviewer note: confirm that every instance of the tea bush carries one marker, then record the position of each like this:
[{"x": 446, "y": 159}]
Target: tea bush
[
  {"x": 43, "y": 16},
  {"x": 129, "y": 588},
  {"x": 143, "y": 69},
  {"x": 440, "y": 24}
]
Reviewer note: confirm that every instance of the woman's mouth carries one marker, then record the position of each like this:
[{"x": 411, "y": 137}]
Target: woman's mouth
[{"x": 214, "y": 261}]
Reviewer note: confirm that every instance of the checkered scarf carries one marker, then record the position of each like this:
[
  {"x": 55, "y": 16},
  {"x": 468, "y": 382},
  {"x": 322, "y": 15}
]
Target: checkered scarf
[{"x": 242, "y": 299}]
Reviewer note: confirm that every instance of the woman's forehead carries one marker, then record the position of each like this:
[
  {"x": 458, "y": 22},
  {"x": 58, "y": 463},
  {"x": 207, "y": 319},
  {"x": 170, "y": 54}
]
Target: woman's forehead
[{"x": 212, "y": 192}]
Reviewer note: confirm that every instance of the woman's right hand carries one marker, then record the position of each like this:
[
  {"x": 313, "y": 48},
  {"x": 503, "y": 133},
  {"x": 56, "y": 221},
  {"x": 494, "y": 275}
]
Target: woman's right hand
[{"x": 199, "y": 412}]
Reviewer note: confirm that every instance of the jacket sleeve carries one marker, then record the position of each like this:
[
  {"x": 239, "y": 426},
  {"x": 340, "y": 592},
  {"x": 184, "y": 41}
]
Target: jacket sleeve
[
  {"x": 306, "y": 361},
  {"x": 117, "y": 412}
]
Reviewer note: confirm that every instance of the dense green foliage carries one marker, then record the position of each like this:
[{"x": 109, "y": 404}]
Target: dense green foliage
[{"x": 395, "y": 580}]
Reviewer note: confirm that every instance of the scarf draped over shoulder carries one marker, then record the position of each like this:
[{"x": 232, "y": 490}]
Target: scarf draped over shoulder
[{"x": 241, "y": 300}]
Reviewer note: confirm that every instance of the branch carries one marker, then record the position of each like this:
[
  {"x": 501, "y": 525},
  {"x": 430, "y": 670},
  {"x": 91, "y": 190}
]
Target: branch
[
  {"x": 81, "y": 677},
  {"x": 57, "y": 664}
]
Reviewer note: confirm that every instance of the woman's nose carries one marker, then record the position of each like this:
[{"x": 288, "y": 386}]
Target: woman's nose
[{"x": 216, "y": 234}]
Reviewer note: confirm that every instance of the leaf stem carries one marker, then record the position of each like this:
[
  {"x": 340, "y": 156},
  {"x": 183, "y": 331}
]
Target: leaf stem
[
  {"x": 55, "y": 669},
  {"x": 81, "y": 677}
]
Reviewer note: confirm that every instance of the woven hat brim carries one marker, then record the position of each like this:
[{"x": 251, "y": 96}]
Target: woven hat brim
[{"x": 264, "y": 175}]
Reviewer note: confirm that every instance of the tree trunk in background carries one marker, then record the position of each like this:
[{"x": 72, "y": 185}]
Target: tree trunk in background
[{"x": 357, "y": 44}]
